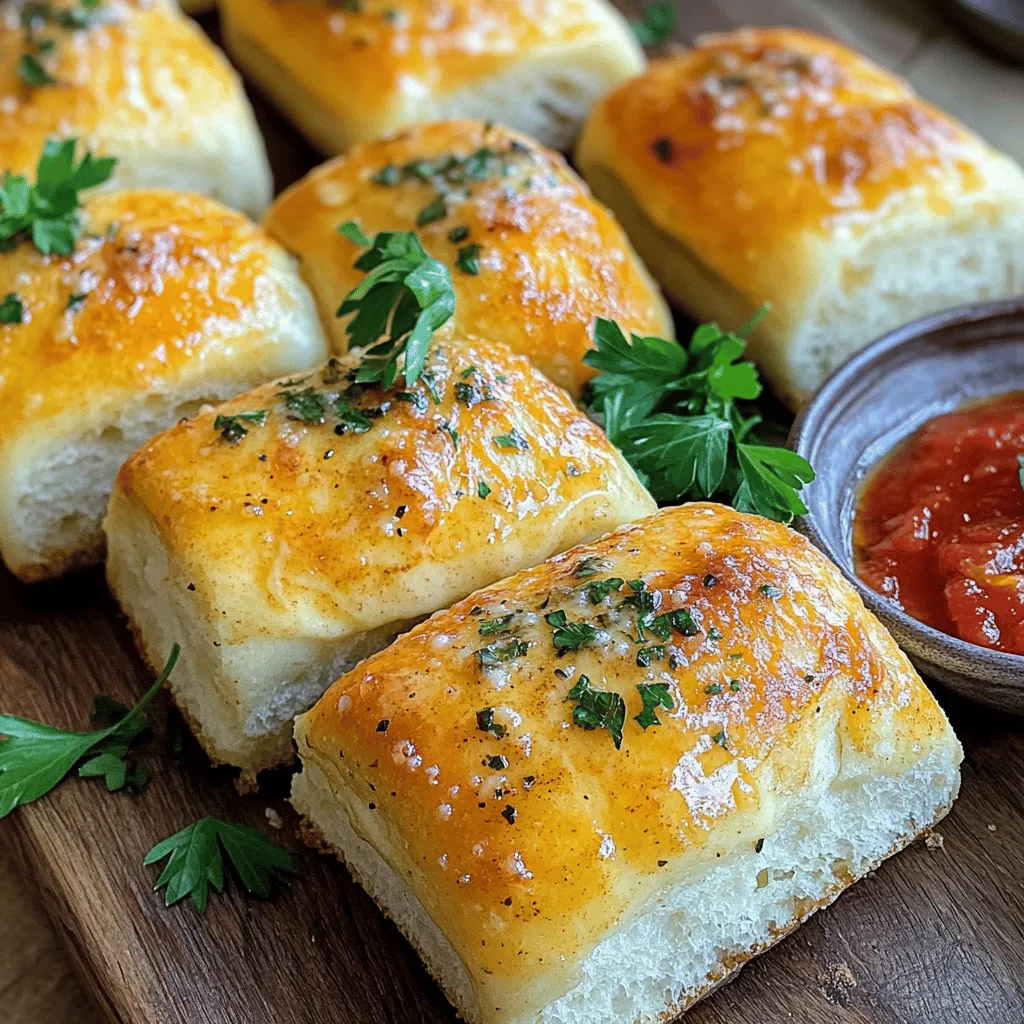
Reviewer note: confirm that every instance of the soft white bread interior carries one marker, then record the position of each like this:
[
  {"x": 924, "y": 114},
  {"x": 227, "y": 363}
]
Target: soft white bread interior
[
  {"x": 168, "y": 302},
  {"x": 577, "y": 831},
  {"x": 139, "y": 81},
  {"x": 775, "y": 165},
  {"x": 548, "y": 260},
  {"x": 281, "y": 557},
  {"x": 354, "y": 75}
]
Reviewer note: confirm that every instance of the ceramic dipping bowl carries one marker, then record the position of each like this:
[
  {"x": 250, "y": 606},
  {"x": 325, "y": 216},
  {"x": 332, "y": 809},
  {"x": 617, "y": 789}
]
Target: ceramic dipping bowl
[{"x": 880, "y": 396}]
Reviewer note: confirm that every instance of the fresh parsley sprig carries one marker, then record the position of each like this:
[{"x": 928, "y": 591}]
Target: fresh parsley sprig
[
  {"x": 47, "y": 212},
  {"x": 197, "y": 861},
  {"x": 657, "y": 23},
  {"x": 34, "y": 758},
  {"x": 672, "y": 411},
  {"x": 406, "y": 296}
]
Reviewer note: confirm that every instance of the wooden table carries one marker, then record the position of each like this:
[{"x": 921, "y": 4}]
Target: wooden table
[{"x": 37, "y": 985}]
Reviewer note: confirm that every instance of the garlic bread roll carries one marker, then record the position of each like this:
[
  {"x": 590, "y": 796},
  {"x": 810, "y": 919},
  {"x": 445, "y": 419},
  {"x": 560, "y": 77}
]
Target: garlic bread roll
[
  {"x": 352, "y": 73},
  {"x": 138, "y": 81},
  {"x": 775, "y": 165},
  {"x": 592, "y": 791},
  {"x": 168, "y": 302},
  {"x": 297, "y": 529},
  {"x": 534, "y": 258}
]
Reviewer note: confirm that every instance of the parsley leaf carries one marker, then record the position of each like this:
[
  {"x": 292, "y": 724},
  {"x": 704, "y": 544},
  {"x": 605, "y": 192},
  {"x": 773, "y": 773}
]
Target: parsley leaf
[
  {"x": 671, "y": 409},
  {"x": 569, "y": 636},
  {"x": 233, "y": 429},
  {"x": 497, "y": 653},
  {"x": 406, "y": 296},
  {"x": 654, "y": 696},
  {"x": 499, "y": 625},
  {"x": 11, "y": 309},
  {"x": 513, "y": 439},
  {"x": 482, "y": 489},
  {"x": 485, "y": 723},
  {"x": 32, "y": 73},
  {"x": 468, "y": 261},
  {"x": 34, "y": 758},
  {"x": 657, "y": 23},
  {"x": 600, "y": 589},
  {"x": 47, "y": 212},
  {"x": 598, "y": 709},
  {"x": 197, "y": 862}
]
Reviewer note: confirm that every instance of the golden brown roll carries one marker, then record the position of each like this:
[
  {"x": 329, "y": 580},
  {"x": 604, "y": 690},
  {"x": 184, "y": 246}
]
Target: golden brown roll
[
  {"x": 534, "y": 258},
  {"x": 287, "y": 534},
  {"x": 167, "y": 302},
  {"x": 350, "y": 73},
  {"x": 136, "y": 80},
  {"x": 592, "y": 791},
  {"x": 775, "y": 165}
]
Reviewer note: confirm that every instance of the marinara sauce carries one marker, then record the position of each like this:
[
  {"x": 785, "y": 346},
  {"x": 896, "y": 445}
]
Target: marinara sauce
[{"x": 940, "y": 524}]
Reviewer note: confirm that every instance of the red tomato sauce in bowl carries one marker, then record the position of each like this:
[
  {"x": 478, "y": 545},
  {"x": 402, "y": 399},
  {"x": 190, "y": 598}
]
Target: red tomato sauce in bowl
[{"x": 939, "y": 528}]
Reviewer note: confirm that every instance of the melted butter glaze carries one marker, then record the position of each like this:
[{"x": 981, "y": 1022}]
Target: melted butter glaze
[
  {"x": 361, "y": 63},
  {"x": 297, "y": 530},
  {"x": 141, "y": 70},
  {"x": 596, "y": 829},
  {"x": 173, "y": 285},
  {"x": 761, "y": 135},
  {"x": 551, "y": 258}
]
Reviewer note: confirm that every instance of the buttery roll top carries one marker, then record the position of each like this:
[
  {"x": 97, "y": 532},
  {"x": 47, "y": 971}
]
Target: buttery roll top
[
  {"x": 137, "y": 80},
  {"x": 534, "y": 258}
]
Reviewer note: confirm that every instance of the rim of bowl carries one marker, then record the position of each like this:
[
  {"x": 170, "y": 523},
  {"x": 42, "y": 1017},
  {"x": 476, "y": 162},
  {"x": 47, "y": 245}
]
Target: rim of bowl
[{"x": 808, "y": 425}]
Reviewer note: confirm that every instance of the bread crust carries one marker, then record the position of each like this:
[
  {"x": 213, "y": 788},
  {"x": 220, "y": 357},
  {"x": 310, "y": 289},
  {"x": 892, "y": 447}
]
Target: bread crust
[
  {"x": 540, "y": 835},
  {"x": 348, "y": 77},
  {"x": 144, "y": 84},
  {"x": 769, "y": 164},
  {"x": 551, "y": 259}
]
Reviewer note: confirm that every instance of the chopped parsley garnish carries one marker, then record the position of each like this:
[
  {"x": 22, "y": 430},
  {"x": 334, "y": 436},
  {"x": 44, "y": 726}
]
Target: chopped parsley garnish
[
  {"x": 654, "y": 696},
  {"x": 468, "y": 261},
  {"x": 47, "y": 212},
  {"x": 734, "y": 685},
  {"x": 497, "y": 762},
  {"x": 713, "y": 635},
  {"x": 468, "y": 394},
  {"x": 350, "y": 418},
  {"x": 719, "y": 738},
  {"x": 75, "y": 299},
  {"x": 494, "y": 626},
  {"x": 770, "y": 591},
  {"x": 600, "y": 589},
  {"x": 671, "y": 409},
  {"x": 482, "y": 489},
  {"x": 591, "y": 565},
  {"x": 657, "y": 23},
  {"x": 509, "y": 814},
  {"x": 458, "y": 234},
  {"x": 485, "y": 723},
  {"x": 437, "y": 210},
  {"x": 598, "y": 709},
  {"x": 569, "y": 636},
  {"x": 713, "y": 688},
  {"x": 308, "y": 405},
  {"x": 233, "y": 428},
  {"x": 646, "y": 655},
  {"x": 11, "y": 309},
  {"x": 499, "y": 653},
  {"x": 197, "y": 862},
  {"x": 406, "y": 296},
  {"x": 32, "y": 73},
  {"x": 513, "y": 439}
]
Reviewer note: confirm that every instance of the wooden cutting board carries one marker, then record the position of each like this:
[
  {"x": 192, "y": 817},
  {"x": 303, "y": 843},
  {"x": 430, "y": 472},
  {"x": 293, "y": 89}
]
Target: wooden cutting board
[{"x": 935, "y": 937}]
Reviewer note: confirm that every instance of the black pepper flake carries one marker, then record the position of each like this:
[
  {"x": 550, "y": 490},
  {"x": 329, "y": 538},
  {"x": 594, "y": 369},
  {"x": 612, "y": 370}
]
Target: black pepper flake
[
  {"x": 191, "y": 586},
  {"x": 329, "y": 454},
  {"x": 528, "y": 782},
  {"x": 481, "y": 804},
  {"x": 662, "y": 863},
  {"x": 808, "y": 678},
  {"x": 709, "y": 581},
  {"x": 758, "y": 846},
  {"x": 662, "y": 149},
  {"x": 382, "y": 725},
  {"x": 372, "y": 807},
  {"x": 262, "y": 458},
  {"x": 400, "y": 511},
  {"x": 562, "y": 673},
  {"x": 497, "y": 762},
  {"x": 507, "y": 901},
  {"x": 509, "y": 814}
]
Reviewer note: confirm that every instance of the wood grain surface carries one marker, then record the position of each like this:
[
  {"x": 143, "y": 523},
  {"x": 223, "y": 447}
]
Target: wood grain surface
[{"x": 936, "y": 935}]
